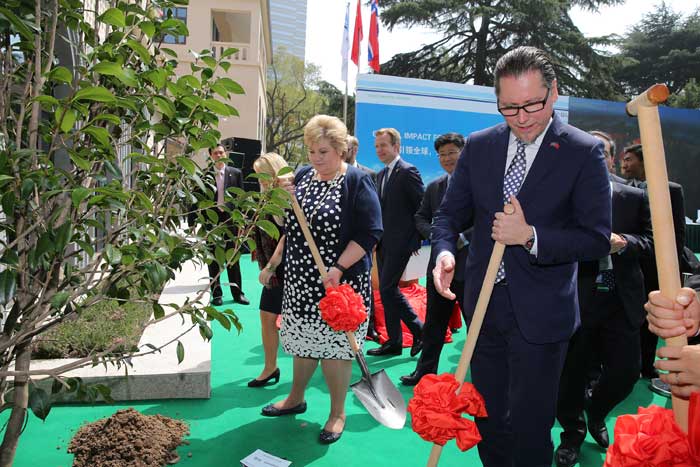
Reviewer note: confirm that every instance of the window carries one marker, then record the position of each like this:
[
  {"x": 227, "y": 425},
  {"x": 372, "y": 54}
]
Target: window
[
  {"x": 230, "y": 26},
  {"x": 177, "y": 13}
]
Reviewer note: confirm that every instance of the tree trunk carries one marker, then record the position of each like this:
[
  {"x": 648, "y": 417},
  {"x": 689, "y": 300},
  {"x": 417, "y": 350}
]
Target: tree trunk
[
  {"x": 481, "y": 77},
  {"x": 19, "y": 409}
]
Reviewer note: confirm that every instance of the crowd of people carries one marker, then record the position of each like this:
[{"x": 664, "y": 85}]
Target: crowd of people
[{"x": 565, "y": 335}]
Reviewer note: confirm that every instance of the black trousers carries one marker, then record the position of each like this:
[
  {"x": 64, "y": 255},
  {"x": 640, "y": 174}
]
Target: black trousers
[
  {"x": 607, "y": 336},
  {"x": 390, "y": 265},
  {"x": 232, "y": 269},
  {"x": 437, "y": 318}
]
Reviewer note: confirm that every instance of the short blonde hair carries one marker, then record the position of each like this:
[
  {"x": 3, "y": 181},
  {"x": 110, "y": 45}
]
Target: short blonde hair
[
  {"x": 330, "y": 128},
  {"x": 352, "y": 141},
  {"x": 393, "y": 133},
  {"x": 269, "y": 163}
]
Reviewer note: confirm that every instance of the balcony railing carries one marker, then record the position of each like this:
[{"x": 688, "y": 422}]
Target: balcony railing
[{"x": 242, "y": 55}]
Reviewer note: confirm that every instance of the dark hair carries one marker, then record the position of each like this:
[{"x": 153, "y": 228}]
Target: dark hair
[
  {"x": 608, "y": 138},
  {"x": 635, "y": 149},
  {"x": 449, "y": 138},
  {"x": 211, "y": 149},
  {"x": 521, "y": 60}
]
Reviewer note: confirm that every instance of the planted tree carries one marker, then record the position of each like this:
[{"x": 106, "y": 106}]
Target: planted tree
[{"x": 91, "y": 202}]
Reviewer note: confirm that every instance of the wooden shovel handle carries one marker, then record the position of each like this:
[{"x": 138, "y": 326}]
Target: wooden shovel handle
[
  {"x": 655, "y": 95},
  {"x": 475, "y": 325}
]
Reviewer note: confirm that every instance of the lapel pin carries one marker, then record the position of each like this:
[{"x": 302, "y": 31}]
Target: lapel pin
[{"x": 554, "y": 145}]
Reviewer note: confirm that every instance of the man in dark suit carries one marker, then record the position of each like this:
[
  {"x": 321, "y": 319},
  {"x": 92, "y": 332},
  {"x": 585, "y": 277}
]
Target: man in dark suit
[
  {"x": 400, "y": 194},
  {"x": 561, "y": 216},
  {"x": 609, "y": 151},
  {"x": 439, "y": 309},
  {"x": 633, "y": 171},
  {"x": 351, "y": 158},
  {"x": 225, "y": 177},
  {"x": 611, "y": 295}
]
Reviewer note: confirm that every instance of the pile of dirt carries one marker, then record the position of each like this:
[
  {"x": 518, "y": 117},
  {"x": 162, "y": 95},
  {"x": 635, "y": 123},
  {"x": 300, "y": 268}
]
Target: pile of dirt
[{"x": 128, "y": 438}]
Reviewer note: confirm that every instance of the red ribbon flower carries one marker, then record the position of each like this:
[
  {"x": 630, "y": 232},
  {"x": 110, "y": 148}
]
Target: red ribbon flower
[
  {"x": 436, "y": 411},
  {"x": 343, "y": 308},
  {"x": 652, "y": 438}
]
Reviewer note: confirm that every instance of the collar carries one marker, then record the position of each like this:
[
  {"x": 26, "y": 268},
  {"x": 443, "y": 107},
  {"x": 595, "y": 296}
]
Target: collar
[{"x": 538, "y": 141}]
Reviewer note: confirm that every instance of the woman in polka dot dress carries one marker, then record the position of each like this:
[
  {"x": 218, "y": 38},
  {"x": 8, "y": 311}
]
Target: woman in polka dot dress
[{"x": 342, "y": 209}]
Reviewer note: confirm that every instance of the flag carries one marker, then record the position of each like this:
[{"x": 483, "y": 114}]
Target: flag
[
  {"x": 357, "y": 36},
  {"x": 373, "y": 47},
  {"x": 345, "y": 46}
]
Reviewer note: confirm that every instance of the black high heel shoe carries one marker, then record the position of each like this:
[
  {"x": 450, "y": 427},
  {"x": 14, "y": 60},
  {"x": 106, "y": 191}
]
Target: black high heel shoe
[{"x": 256, "y": 383}]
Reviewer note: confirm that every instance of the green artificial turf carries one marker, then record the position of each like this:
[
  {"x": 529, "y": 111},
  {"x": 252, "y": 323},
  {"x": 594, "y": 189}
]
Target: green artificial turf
[{"x": 228, "y": 427}]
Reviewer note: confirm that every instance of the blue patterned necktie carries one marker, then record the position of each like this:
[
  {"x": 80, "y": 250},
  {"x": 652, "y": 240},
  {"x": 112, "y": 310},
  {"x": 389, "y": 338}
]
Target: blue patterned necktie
[{"x": 511, "y": 185}]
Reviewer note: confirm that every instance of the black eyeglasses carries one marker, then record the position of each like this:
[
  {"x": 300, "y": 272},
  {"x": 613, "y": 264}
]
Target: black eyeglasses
[{"x": 530, "y": 108}]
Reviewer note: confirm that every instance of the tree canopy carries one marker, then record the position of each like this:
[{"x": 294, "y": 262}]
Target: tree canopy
[{"x": 477, "y": 32}]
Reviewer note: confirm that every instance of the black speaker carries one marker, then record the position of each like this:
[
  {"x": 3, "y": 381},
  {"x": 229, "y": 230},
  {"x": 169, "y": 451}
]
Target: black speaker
[{"x": 243, "y": 152}]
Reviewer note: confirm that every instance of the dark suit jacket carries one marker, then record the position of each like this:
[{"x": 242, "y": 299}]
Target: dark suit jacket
[
  {"x": 233, "y": 177},
  {"x": 432, "y": 199},
  {"x": 630, "y": 218},
  {"x": 401, "y": 199},
  {"x": 368, "y": 171},
  {"x": 566, "y": 196}
]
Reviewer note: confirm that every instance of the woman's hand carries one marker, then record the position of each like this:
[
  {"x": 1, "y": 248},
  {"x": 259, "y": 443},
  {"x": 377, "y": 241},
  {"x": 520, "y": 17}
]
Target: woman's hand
[
  {"x": 265, "y": 276},
  {"x": 683, "y": 365},
  {"x": 332, "y": 278}
]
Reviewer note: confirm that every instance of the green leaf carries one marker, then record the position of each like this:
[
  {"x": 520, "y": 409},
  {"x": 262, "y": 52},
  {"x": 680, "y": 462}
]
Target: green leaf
[
  {"x": 158, "y": 311},
  {"x": 48, "y": 100},
  {"x": 231, "y": 85},
  {"x": 105, "y": 392},
  {"x": 61, "y": 74},
  {"x": 111, "y": 118},
  {"x": 156, "y": 77},
  {"x": 219, "y": 107},
  {"x": 58, "y": 300},
  {"x": 40, "y": 402},
  {"x": 140, "y": 50},
  {"x": 10, "y": 257},
  {"x": 228, "y": 52},
  {"x": 63, "y": 235},
  {"x": 95, "y": 93},
  {"x": 66, "y": 117},
  {"x": 180, "y": 352},
  {"x": 8, "y": 286},
  {"x": 86, "y": 247},
  {"x": 98, "y": 133},
  {"x": 187, "y": 164},
  {"x": 268, "y": 227},
  {"x": 20, "y": 25},
  {"x": 27, "y": 188},
  {"x": 115, "y": 17},
  {"x": 125, "y": 75},
  {"x": 80, "y": 162},
  {"x": 148, "y": 28},
  {"x": 112, "y": 254},
  {"x": 165, "y": 106}
]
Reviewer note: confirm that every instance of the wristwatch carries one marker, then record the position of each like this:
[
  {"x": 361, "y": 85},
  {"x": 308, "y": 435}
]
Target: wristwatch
[{"x": 530, "y": 243}]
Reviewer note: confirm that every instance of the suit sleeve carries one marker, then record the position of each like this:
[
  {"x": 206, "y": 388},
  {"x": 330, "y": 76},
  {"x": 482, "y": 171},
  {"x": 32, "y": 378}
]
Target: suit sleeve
[
  {"x": 640, "y": 244},
  {"x": 424, "y": 215},
  {"x": 367, "y": 215},
  {"x": 678, "y": 212},
  {"x": 588, "y": 236},
  {"x": 456, "y": 211},
  {"x": 414, "y": 188}
]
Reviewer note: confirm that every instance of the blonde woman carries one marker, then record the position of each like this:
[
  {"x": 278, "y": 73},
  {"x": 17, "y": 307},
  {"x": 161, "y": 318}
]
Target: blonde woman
[
  {"x": 342, "y": 209},
  {"x": 271, "y": 276}
]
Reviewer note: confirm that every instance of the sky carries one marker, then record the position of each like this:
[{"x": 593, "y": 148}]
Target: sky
[{"x": 325, "y": 19}]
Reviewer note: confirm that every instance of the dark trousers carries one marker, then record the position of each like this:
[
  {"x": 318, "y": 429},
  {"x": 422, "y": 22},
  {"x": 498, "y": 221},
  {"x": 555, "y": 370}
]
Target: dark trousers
[
  {"x": 232, "y": 269},
  {"x": 390, "y": 265},
  {"x": 519, "y": 381},
  {"x": 437, "y": 318},
  {"x": 606, "y": 333}
]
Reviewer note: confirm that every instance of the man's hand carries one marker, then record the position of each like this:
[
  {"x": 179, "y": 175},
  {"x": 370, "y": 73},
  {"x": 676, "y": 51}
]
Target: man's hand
[
  {"x": 683, "y": 365},
  {"x": 511, "y": 229},
  {"x": 617, "y": 243},
  {"x": 442, "y": 276},
  {"x": 669, "y": 318}
]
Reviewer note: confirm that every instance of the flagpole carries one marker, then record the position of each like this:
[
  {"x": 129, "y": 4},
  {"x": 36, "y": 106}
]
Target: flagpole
[{"x": 345, "y": 101}]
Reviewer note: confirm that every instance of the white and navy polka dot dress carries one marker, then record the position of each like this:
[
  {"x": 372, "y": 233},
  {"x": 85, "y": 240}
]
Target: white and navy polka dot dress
[{"x": 303, "y": 332}]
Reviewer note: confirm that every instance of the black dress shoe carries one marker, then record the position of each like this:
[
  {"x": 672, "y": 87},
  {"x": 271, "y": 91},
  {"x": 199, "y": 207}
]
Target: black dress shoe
[
  {"x": 372, "y": 335},
  {"x": 412, "y": 379},
  {"x": 256, "y": 383},
  {"x": 328, "y": 437},
  {"x": 385, "y": 349},
  {"x": 217, "y": 301},
  {"x": 417, "y": 346},
  {"x": 242, "y": 299},
  {"x": 272, "y": 411},
  {"x": 599, "y": 432},
  {"x": 565, "y": 456}
]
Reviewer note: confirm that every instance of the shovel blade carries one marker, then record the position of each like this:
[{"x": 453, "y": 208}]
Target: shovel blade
[{"x": 381, "y": 399}]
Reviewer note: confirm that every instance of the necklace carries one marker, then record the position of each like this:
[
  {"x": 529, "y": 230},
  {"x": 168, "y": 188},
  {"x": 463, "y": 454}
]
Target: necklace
[{"x": 330, "y": 186}]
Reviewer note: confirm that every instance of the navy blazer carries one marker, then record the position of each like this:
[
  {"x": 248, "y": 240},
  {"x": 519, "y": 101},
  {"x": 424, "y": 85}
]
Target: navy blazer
[
  {"x": 360, "y": 217},
  {"x": 565, "y": 196},
  {"x": 400, "y": 201}
]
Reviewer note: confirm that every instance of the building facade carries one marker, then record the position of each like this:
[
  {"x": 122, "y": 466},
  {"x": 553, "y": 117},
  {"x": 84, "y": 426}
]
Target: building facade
[
  {"x": 218, "y": 25},
  {"x": 288, "y": 18}
]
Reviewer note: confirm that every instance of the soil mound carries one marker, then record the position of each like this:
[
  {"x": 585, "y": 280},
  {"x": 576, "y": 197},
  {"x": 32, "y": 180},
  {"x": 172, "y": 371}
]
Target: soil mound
[{"x": 128, "y": 438}]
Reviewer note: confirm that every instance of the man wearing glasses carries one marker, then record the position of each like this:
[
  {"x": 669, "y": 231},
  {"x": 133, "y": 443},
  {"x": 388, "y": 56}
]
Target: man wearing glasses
[{"x": 554, "y": 176}]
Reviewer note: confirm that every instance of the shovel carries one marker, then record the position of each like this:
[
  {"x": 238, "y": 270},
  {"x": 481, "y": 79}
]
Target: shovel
[{"x": 375, "y": 391}]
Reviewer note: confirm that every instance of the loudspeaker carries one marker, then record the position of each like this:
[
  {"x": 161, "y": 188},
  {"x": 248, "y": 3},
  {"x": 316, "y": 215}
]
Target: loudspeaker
[{"x": 243, "y": 152}]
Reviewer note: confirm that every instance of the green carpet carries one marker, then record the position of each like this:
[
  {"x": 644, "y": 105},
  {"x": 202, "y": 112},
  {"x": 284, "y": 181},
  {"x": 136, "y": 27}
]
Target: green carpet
[{"x": 228, "y": 427}]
